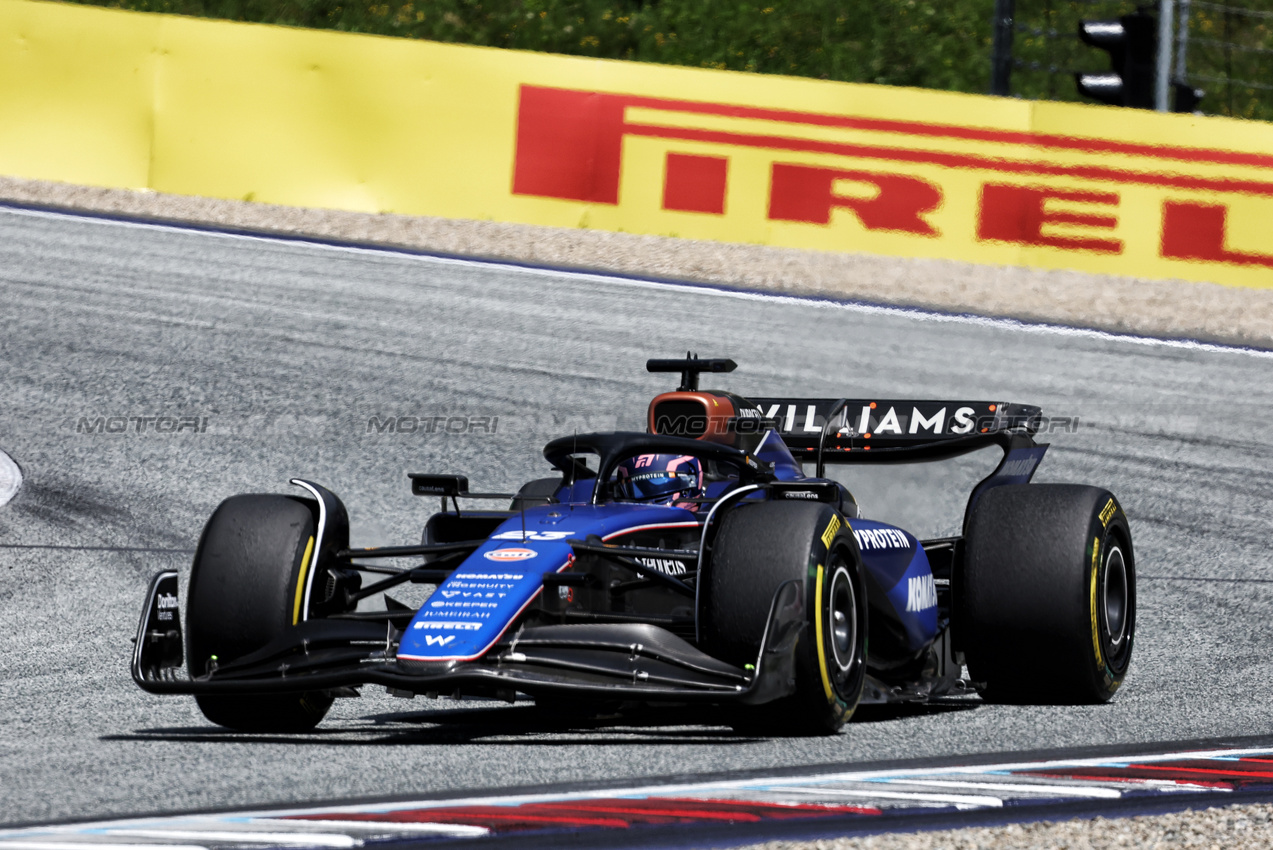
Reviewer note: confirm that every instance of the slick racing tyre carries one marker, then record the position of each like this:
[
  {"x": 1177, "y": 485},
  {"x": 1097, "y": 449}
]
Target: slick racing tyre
[
  {"x": 246, "y": 588},
  {"x": 1046, "y": 603},
  {"x": 759, "y": 547}
]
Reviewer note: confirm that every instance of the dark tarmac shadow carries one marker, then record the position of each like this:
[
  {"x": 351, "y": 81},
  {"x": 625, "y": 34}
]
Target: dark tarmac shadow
[
  {"x": 907, "y": 710},
  {"x": 522, "y": 725},
  {"x": 530, "y": 725}
]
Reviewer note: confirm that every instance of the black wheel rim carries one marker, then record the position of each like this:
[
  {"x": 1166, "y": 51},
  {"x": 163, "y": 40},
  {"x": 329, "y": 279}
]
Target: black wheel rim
[
  {"x": 843, "y": 619},
  {"x": 1117, "y": 594}
]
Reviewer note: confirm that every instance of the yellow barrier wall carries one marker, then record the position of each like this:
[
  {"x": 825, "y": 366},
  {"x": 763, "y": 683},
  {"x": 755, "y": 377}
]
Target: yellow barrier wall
[{"x": 307, "y": 118}]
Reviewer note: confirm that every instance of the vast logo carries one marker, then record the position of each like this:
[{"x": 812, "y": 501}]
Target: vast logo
[{"x": 1031, "y": 189}]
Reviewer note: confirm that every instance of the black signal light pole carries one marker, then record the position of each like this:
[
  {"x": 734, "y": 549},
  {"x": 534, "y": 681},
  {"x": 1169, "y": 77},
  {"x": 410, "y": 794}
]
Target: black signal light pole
[{"x": 1132, "y": 45}]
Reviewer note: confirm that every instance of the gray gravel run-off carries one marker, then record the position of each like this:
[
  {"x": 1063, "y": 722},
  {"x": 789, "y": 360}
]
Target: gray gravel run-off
[{"x": 1166, "y": 308}]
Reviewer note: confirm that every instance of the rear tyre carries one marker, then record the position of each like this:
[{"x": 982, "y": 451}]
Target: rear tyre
[
  {"x": 1047, "y": 598},
  {"x": 246, "y": 588},
  {"x": 758, "y": 548}
]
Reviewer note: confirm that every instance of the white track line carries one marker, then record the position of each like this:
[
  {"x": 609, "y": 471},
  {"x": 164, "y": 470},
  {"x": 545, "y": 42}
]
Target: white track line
[
  {"x": 225, "y": 836},
  {"x": 92, "y": 845},
  {"x": 961, "y": 800},
  {"x": 1057, "y": 790},
  {"x": 718, "y": 290},
  {"x": 458, "y": 830}
]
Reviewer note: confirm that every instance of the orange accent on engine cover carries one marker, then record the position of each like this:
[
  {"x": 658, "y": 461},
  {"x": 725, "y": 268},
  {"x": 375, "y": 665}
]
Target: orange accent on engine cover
[{"x": 699, "y": 415}]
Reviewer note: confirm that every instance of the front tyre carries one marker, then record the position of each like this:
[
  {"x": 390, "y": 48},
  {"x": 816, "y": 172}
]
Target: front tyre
[
  {"x": 247, "y": 586},
  {"x": 1047, "y": 598},
  {"x": 758, "y": 548}
]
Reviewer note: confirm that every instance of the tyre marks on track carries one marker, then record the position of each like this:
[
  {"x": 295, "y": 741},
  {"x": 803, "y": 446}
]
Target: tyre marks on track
[{"x": 748, "y": 808}]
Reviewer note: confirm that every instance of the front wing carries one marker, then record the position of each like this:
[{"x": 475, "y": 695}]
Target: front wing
[{"x": 636, "y": 661}]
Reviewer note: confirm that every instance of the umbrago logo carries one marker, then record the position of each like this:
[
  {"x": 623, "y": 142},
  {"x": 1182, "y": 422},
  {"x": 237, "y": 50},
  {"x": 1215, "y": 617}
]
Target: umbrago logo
[{"x": 935, "y": 183}]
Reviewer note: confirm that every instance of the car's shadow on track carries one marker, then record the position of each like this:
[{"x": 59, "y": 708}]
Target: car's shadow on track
[
  {"x": 527, "y": 725},
  {"x": 905, "y": 711}
]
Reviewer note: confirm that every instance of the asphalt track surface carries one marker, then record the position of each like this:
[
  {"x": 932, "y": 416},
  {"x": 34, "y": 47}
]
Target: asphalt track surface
[{"x": 283, "y": 351}]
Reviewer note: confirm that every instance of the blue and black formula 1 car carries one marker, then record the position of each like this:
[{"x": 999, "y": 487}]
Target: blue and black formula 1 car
[{"x": 707, "y": 560}]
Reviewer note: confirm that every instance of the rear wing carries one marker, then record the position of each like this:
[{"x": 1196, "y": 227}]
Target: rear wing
[
  {"x": 866, "y": 430},
  {"x": 843, "y": 431}
]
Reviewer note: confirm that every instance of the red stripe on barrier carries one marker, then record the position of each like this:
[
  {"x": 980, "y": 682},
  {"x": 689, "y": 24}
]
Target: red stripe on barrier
[
  {"x": 951, "y": 160},
  {"x": 948, "y": 131}
]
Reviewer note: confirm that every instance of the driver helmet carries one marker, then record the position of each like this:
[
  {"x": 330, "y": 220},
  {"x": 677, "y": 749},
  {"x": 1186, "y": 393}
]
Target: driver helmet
[{"x": 660, "y": 479}]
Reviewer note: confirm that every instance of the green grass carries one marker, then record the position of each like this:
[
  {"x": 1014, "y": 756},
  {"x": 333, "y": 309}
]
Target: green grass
[
  {"x": 894, "y": 42},
  {"x": 925, "y": 43}
]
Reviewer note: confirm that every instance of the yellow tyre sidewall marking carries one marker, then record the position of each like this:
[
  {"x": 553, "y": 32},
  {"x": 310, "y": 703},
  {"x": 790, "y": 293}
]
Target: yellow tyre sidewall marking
[
  {"x": 1096, "y": 636},
  {"x": 817, "y": 624},
  {"x": 833, "y": 527},
  {"x": 300, "y": 581}
]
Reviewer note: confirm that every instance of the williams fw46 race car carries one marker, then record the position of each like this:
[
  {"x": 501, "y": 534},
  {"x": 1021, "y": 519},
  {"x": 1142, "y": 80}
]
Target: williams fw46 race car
[{"x": 708, "y": 560}]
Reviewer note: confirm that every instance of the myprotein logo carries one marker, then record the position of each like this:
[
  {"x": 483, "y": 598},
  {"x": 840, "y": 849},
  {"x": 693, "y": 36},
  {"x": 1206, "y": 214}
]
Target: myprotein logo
[
  {"x": 870, "y": 175},
  {"x": 881, "y": 538}
]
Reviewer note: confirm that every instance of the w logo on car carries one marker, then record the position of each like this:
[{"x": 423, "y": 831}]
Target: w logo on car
[
  {"x": 438, "y": 640},
  {"x": 506, "y": 555}
]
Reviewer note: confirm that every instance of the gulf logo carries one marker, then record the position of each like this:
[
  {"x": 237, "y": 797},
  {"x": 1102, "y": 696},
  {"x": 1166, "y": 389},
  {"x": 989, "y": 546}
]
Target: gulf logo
[{"x": 507, "y": 555}]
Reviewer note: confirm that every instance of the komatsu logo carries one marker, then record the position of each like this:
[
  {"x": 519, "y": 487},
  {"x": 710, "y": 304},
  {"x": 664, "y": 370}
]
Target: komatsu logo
[
  {"x": 667, "y": 566},
  {"x": 921, "y": 593},
  {"x": 1020, "y": 466}
]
